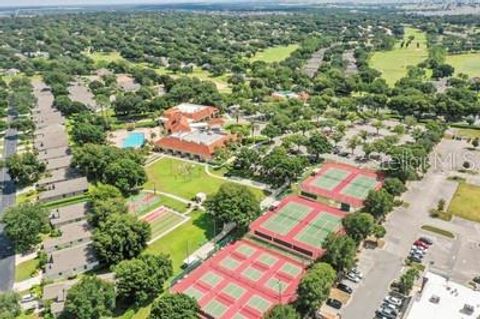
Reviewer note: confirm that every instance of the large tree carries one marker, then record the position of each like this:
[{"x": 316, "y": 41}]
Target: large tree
[
  {"x": 340, "y": 252},
  {"x": 314, "y": 288},
  {"x": 25, "y": 169},
  {"x": 378, "y": 203},
  {"x": 120, "y": 237},
  {"x": 282, "y": 312},
  {"x": 125, "y": 174},
  {"x": 176, "y": 306},
  {"x": 358, "y": 225},
  {"x": 91, "y": 298},
  {"x": 318, "y": 144},
  {"x": 24, "y": 224},
  {"x": 83, "y": 133},
  {"x": 234, "y": 203},
  {"x": 9, "y": 305},
  {"x": 141, "y": 279}
]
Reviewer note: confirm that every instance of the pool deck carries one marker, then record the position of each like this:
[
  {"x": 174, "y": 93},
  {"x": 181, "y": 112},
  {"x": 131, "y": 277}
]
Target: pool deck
[{"x": 117, "y": 137}]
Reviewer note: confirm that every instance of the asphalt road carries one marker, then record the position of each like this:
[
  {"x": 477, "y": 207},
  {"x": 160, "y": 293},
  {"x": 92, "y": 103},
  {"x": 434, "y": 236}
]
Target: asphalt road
[{"x": 7, "y": 254}]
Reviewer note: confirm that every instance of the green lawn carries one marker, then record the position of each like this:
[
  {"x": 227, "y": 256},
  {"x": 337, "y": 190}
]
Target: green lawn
[
  {"x": 466, "y": 202},
  {"x": 393, "y": 64},
  {"x": 184, "y": 179},
  {"x": 438, "y": 231},
  {"x": 220, "y": 81},
  {"x": 469, "y": 132},
  {"x": 25, "y": 270},
  {"x": 102, "y": 59},
  {"x": 184, "y": 240},
  {"x": 468, "y": 63},
  {"x": 160, "y": 200},
  {"x": 275, "y": 54}
]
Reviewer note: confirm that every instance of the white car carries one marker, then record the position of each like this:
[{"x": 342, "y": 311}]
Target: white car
[
  {"x": 357, "y": 272},
  {"x": 353, "y": 277},
  {"x": 393, "y": 300}
]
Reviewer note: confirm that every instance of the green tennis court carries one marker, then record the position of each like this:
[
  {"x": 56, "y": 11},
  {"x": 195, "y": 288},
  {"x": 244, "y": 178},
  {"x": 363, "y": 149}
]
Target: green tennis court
[
  {"x": 268, "y": 260},
  {"x": 245, "y": 250},
  {"x": 259, "y": 303},
  {"x": 331, "y": 178},
  {"x": 211, "y": 279},
  {"x": 252, "y": 273},
  {"x": 194, "y": 293},
  {"x": 233, "y": 291},
  {"x": 276, "y": 285},
  {"x": 287, "y": 218},
  {"x": 291, "y": 270},
  {"x": 215, "y": 308},
  {"x": 359, "y": 187},
  {"x": 230, "y": 263},
  {"x": 318, "y": 229}
]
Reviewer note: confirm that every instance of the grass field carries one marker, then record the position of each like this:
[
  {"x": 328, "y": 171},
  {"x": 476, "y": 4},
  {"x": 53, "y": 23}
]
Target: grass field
[
  {"x": 184, "y": 240},
  {"x": 438, "y": 231},
  {"x": 25, "y": 270},
  {"x": 220, "y": 81},
  {"x": 468, "y": 63},
  {"x": 275, "y": 54},
  {"x": 466, "y": 202},
  {"x": 184, "y": 179},
  {"x": 162, "y": 220},
  {"x": 468, "y": 132},
  {"x": 393, "y": 64},
  {"x": 160, "y": 200},
  {"x": 101, "y": 59}
]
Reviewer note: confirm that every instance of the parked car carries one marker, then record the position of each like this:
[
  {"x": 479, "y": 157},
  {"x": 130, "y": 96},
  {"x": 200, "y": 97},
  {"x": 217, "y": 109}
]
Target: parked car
[
  {"x": 388, "y": 311},
  {"x": 345, "y": 288},
  {"x": 421, "y": 244},
  {"x": 415, "y": 251},
  {"x": 426, "y": 240},
  {"x": 334, "y": 303},
  {"x": 357, "y": 272},
  {"x": 381, "y": 314},
  {"x": 415, "y": 259},
  {"x": 419, "y": 248},
  {"x": 393, "y": 300},
  {"x": 389, "y": 306},
  {"x": 353, "y": 277}
]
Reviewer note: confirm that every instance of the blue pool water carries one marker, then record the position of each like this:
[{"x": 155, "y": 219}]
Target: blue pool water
[{"x": 134, "y": 140}]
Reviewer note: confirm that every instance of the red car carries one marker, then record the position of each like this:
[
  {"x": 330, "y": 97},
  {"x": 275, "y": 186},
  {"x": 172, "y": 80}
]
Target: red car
[{"x": 421, "y": 244}]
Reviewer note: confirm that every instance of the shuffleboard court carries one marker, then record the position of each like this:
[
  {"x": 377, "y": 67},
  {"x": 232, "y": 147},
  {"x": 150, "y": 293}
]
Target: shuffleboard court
[
  {"x": 242, "y": 280},
  {"x": 162, "y": 220},
  {"x": 304, "y": 233},
  {"x": 342, "y": 183}
]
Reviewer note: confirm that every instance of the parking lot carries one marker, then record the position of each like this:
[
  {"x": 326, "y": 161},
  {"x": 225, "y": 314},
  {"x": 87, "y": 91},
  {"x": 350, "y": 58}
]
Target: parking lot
[{"x": 458, "y": 258}]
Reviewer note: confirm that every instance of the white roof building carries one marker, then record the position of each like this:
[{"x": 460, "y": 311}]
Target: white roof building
[{"x": 444, "y": 299}]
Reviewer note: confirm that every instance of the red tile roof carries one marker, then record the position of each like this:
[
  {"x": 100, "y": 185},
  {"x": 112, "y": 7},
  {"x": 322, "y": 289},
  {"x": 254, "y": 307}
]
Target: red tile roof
[
  {"x": 200, "y": 115},
  {"x": 205, "y": 151}
]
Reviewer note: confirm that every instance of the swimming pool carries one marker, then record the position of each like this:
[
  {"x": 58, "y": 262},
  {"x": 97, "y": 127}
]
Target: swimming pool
[{"x": 134, "y": 140}]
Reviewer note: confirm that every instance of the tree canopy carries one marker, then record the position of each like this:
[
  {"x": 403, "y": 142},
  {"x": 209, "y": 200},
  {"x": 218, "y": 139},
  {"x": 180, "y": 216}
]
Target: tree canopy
[{"x": 176, "y": 306}]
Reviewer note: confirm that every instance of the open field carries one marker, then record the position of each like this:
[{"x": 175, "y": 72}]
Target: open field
[
  {"x": 184, "y": 240},
  {"x": 101, "y": 59},
  {"x": 25, "y": 270},
  {"x": 162, "y": 220},
  {"x": 393, "y": 64},
  {"x": 466, "y": 202},
  {"x": 220, "y": 81},
  {"x": 275, "y": 54},
  {"x": 183, "y": 179},
  {"x": 468, "y": 63}
]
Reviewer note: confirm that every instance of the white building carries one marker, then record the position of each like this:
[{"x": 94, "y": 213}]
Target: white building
[{"x": 440, "y": 298}]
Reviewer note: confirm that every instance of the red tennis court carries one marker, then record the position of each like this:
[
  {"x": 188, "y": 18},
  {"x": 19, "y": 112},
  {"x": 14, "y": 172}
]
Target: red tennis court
[
  {"x": 299, "y": 224},
  {"x": 243, "y": 280},
  {"x": 342, "y": 183}
]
